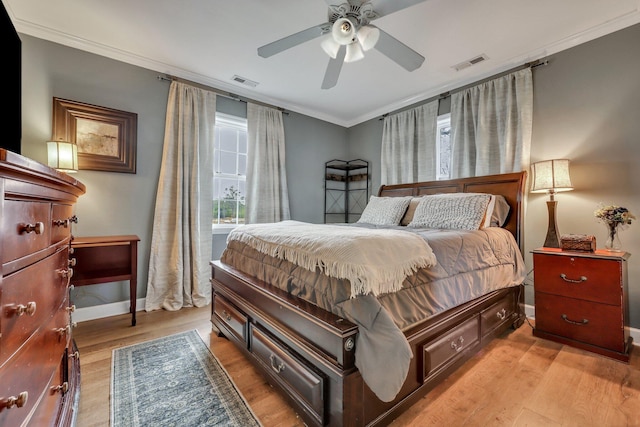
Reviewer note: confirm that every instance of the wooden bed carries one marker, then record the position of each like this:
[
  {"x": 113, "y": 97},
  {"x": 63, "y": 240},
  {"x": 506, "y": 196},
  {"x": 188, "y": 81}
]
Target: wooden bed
[{"x": 308, "y": 353}]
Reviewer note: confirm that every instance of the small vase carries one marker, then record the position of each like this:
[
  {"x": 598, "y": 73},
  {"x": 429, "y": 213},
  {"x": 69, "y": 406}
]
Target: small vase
[{"x": 613, "y": 237}]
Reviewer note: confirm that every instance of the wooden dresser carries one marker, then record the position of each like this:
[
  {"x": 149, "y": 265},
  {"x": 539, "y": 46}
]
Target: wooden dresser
[
  {"x": 581, "y": 300},
  {"x": 39, "y": 367}
]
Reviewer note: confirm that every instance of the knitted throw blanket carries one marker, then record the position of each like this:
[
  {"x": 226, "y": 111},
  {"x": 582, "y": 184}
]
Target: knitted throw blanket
[{"x": 375, "y": 261}]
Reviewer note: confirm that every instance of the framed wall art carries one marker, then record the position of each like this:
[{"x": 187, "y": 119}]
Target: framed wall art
[{"x": 106, "y": 138}]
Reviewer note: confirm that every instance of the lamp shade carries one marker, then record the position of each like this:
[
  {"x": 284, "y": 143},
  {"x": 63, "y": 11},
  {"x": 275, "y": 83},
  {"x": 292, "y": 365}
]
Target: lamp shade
[
  {"x": 354, "y": 52},
  {"x": 63, "y": 156},
  {"x": 368, "y": 36},
  {"x": 551, "y": 176}
]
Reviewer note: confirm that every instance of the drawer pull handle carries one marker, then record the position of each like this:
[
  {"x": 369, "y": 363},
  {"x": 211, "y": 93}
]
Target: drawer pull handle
[
  {"x": 19, "y": 401},
  {"x": 457, "y": 347},
  {"x": 573, "y": 322},
  {"x": 75, "y": 355},
  {"x": 72, "y": 262},
  {"x": 279, "y": 366},
  {"x": 580, "y": 280},
  {"x": 71, "y": 308},
  {"x": 226, "y": 315},
  {"x": 73, "y": 219},
  {"x": 502, "y": 314},
  {"x": 64, "y": 387},
  {"x": 29, "y": 309},
  {"x": 37, "y": 228}
]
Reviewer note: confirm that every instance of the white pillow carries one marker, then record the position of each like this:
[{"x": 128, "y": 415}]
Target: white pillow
[
  {"x": 384, "y": 210},
  {"x": 460, "y": 211}
]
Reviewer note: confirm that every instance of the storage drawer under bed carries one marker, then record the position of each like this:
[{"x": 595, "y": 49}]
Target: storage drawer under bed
[
  {"x": 231, "y": 318},
  {"x": 303, "y": 383}
]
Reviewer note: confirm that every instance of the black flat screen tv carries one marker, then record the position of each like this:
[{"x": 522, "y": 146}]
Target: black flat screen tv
[{"x": 12, "y": 71}]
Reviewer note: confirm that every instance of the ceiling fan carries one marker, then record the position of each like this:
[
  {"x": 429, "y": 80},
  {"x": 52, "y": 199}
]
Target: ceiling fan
[{"x": 348, "y": 33}]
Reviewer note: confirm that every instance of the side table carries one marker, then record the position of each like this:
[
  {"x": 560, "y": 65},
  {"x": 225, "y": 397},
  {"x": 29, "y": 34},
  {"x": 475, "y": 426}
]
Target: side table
[{"x": 105, "y": 259}]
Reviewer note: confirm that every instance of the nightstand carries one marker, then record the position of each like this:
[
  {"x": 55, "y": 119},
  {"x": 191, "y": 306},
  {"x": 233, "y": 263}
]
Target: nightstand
[{"x": 581, "y": 300}]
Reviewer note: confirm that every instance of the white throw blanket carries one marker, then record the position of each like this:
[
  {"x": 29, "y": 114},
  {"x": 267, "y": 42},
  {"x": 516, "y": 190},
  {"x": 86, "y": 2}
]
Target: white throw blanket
[{"x": 375, "y": 261}]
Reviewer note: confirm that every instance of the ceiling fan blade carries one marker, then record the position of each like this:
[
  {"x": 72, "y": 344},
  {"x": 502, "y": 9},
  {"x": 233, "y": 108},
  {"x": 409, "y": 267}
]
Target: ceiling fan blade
[
  {"x": 399, "y": 52},
  {"x": 386, "y": 7},
  {"x": 333, "y": 69},
  {"x": 293, "y": 40}
]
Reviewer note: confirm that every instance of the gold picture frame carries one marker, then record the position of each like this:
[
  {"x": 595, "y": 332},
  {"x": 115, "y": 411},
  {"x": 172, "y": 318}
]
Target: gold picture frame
[{"x": 106, "y": 138}]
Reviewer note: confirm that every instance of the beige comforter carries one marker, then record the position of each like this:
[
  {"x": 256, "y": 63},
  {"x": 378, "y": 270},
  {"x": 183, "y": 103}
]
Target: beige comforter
[{"x": 469, "y": 264}]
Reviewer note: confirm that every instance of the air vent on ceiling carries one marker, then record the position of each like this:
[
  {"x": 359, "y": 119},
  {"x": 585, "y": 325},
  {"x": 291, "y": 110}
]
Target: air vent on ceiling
[
  {"x": 244, "y": 81},
  {"x": 469, "y": 62}
]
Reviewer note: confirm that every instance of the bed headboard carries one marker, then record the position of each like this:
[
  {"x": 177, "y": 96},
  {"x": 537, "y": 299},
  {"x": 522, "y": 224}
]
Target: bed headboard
[{"x": 509, "y": 185}]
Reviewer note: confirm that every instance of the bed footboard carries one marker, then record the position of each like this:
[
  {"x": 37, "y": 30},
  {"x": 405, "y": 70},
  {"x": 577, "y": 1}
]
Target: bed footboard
[{"x": 308, "y": 353}]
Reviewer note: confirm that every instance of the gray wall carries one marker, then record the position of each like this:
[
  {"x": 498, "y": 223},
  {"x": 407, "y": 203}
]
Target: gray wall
[
  {"x": 586, "y": 109},
  {"x": 117, "y": 203}
]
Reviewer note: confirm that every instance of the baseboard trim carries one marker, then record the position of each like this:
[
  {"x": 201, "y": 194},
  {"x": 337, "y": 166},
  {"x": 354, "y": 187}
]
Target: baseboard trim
[
  {"x": 105, "y": 310},
  {"x": 530, "y": 312}
]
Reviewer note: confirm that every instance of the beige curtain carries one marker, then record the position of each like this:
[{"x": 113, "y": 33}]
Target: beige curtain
[
  {"x": 491, "y": 126},
  {"x": 267, "y": 194},
  {"x": 179, "y": 270},
  {"x": 409, "y": 145}
]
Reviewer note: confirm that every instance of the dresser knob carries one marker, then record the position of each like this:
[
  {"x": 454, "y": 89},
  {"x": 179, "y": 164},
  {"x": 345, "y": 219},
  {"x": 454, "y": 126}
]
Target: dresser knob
[
  {"x": 72, "y": 262},
  {"x": 37, "y": 228},
  {"x": 19, "y": 401},
  {"x": 64, "y": 387},
  {"x": 73, "y": 219},
  {"x": 502, "y": 314},
  {"x": 29, "y": 309},
  {"x": 61, "y": 223},
  {"x": 75, "y": 355},
  {"x": 63, "y": 331},
  {"x": 66, "y": 273},
  {"x": 71, "y": 308}
]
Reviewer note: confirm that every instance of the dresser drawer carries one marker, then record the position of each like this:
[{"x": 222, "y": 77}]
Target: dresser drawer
[
  {"x": 597, "y": 324},
  {"x": 232, "y": 318},
  {"x": 32, "y": 369},
  {"x": 37, "y": 292},
  {"x": 301, "y": 381},
  {"x": 60, "y": 222},
  {"x": 446, "y": 349},
  {"x": 26, "y": 228},
  {"x": 591, "y": 279}
]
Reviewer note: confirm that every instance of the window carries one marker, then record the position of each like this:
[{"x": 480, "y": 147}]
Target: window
[
  {"x": 229, "y": 171},
  {"x": 443, "y": 147}
]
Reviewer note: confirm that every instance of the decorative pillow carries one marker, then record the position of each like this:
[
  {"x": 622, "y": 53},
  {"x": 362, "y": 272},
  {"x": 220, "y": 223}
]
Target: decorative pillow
[
  {"x": 461, "y": 211},
  {"x": 384, "y": 210},
  {"x": 500, "y": 212}
]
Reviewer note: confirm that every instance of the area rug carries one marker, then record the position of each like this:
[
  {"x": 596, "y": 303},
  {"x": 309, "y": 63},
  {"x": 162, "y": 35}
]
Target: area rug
[{"x": 174, "y": 381}]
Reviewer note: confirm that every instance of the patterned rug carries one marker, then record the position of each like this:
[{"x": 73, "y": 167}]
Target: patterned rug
[{"x": 174, "y": 381}]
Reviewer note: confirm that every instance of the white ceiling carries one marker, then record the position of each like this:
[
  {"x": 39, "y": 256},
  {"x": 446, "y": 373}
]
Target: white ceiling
[{"x": 210, "y": 41}]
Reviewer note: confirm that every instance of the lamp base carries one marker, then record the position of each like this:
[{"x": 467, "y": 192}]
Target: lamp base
[{"x": 553, "y": 237}]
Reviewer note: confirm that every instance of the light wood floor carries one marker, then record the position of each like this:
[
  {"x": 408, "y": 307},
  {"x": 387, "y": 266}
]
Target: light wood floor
[{"x": 518, "y": 380}]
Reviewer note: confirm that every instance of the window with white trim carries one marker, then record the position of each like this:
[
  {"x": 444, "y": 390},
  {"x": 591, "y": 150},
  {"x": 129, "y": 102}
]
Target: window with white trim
[
  {"x": 443, "y": 147},
  {"x": 229, "y": 171}
]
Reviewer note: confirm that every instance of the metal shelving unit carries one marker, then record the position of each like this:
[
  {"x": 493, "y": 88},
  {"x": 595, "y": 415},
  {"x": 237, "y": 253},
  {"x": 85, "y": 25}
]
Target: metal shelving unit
[{"x": 346, "y": 190}]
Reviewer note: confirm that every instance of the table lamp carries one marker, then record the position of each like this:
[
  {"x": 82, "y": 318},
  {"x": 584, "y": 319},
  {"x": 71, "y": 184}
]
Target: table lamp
[{"x": 551, "y": 176}]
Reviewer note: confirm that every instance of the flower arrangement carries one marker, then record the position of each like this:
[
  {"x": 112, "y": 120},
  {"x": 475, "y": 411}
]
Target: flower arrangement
[{"x": 614, "y": 216}]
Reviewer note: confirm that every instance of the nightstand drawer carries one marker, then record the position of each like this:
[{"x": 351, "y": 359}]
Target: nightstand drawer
[
  {"x": 597, "y": 324},
  {"x": 585, "y": 278}
]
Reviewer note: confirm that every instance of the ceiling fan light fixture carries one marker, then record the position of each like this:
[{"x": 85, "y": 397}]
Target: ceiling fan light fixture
[
  {"x": 368, "y": 36},
  {"x": 330, "y": 46},
  {"x": 354, "y": 52},
  {"x": 343, "y": 31}
]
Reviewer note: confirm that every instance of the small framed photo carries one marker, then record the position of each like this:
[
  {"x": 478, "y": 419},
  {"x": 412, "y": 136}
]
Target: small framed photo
[{"x": 106, "y": 138}]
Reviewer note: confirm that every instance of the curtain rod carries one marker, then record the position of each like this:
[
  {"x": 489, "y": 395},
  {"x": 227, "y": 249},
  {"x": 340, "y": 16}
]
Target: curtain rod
[
  {"x": 229, "y": 95},
  {"x": 532, "y": 65}
]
